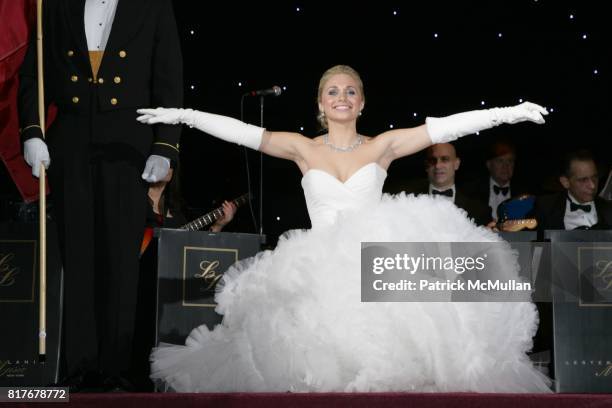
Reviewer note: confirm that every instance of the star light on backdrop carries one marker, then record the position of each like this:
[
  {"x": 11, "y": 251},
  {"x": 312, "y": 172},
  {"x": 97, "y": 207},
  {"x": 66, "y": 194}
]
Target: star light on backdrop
[{"x": 435, "y": 58}]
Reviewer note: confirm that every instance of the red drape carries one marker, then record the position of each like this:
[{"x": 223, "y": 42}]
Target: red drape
[{"x": 19, "y": 19}]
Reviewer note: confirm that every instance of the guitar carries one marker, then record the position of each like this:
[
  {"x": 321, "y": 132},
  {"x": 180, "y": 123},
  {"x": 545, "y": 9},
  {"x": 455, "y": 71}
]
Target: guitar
[
  {"x": 195, "y": 225},
  {"x": 513, "y": 214}
]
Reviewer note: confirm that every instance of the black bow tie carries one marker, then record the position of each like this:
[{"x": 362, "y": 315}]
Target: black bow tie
[
  {"x": 575, "y": 207},
  {"x": 447, "y": 193},
  {"x": 497, "y": 189}
]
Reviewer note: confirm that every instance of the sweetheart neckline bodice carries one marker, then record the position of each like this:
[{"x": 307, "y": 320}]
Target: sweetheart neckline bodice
[
  {"x": 327, "y": 196},
  {"x": 350, "y": 177}
]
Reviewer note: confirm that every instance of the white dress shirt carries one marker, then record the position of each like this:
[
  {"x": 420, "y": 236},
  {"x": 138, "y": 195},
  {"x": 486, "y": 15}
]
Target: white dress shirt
[
  {"x": 496, "y": 199},
  {"x": 99, "y": 17},
  {"x": 579, "y": 218}
]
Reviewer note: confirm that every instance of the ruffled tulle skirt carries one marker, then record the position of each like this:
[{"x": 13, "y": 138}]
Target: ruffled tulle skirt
[{"x": 293, "y": 319}]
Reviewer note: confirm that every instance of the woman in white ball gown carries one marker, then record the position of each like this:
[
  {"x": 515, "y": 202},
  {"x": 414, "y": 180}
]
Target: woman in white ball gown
[{"x": 293, "y": 319}]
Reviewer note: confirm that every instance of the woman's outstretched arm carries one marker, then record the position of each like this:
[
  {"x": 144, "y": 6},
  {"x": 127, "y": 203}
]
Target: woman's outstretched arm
[
  {"x": 284, "y": 145},
  {"x": 403, "y": 142}
]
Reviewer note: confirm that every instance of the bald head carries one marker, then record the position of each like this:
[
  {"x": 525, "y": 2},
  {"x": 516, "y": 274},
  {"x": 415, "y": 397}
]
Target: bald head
[{"x": 441, "y": 164}]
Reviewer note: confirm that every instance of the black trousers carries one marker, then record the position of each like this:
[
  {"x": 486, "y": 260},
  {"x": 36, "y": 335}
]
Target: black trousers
[{"x": 99, "y": 201}]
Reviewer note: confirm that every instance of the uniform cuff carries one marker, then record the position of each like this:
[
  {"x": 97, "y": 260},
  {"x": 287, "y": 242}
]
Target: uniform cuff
[
  {"x": 171, "y": 151},
  {"x": 30, "y": 132}
]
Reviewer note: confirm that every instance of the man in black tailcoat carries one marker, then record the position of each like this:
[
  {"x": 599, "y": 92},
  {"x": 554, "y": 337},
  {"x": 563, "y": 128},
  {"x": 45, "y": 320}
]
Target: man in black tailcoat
[{"x": 103, "y": 59}]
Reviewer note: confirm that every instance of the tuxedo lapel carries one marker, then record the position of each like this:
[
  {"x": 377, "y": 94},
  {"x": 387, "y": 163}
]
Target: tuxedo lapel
[
  {"x": 75, "y": 15},
  {"x": 461, "y": 200},
  {"x": 483, "y": 191},
  {"x": 557, "y": 214},
  {"x": 604, "y": 212},
  {"x": 128, "y": 18}
]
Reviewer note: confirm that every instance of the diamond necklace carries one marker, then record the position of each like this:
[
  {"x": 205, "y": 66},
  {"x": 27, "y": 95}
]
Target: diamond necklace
[{"x": 342, "y": 149}]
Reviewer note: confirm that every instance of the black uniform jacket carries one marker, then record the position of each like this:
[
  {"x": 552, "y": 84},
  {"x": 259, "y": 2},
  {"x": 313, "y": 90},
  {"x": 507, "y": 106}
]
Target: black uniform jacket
[{"x": 141, "y": 67}]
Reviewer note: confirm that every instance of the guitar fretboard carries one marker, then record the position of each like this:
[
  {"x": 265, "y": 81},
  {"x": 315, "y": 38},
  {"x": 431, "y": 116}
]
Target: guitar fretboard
[{"x": 212, "y": 216}]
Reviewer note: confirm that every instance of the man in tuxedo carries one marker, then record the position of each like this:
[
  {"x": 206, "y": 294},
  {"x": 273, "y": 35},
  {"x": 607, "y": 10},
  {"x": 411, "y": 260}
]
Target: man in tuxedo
[
  {"x": 103, "y": 60},
  {"x": 499, "y": 186},
  {"x": 578, "y": 205},
  {"x": 441, "y": 165}
]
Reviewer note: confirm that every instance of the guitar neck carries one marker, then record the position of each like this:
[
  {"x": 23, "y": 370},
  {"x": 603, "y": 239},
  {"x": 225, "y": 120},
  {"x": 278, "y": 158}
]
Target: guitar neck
[
  {"x": 204, "y": 220},
  {"x": 211, "y": 217}
]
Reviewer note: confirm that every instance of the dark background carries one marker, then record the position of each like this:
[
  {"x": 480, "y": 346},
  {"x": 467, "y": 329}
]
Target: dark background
[{"x": 408, "y": 74}]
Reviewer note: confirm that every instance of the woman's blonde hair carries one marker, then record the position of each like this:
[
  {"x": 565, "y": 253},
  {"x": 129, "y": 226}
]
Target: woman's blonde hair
[{"x": 337, "y": 69}]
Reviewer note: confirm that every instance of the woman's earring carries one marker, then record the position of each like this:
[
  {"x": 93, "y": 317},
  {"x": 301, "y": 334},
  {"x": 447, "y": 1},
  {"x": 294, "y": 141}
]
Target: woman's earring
[{"x": 359, "y": 113}]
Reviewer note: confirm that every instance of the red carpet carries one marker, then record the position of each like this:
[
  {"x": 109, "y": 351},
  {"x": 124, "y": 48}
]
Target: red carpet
[{"x": 374, "y": 400}]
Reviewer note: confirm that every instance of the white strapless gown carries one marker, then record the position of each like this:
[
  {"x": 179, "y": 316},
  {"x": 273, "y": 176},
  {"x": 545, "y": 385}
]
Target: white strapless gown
[{"x": 293, "y": 319}]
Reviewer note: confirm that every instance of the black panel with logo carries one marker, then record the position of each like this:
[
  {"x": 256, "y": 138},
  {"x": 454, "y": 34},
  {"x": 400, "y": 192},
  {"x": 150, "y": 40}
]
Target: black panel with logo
[
  {"x": 190, "y": 265},
  {"x": 19, "y": 296},
  {"x": 582, "y": 310}
]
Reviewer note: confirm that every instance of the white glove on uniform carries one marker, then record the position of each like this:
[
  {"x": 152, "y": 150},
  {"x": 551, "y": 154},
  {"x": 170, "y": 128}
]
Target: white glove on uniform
[
  {"x": 35, "y": 152},
  {"x": 156, "y": 168},
  {"x": 449, "y": 128},
  {"x": 223, "y": 127}
]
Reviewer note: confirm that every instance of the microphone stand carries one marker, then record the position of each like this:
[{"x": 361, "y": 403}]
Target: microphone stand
[
  {"x": 261, "y": 121},
  {"x": 261, "y": 95}
]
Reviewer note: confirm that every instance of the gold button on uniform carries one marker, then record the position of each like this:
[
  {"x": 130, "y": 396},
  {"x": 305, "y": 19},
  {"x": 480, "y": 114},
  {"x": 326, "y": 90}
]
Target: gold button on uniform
[
  {"x": 122, "y": 54},
  {"x": 70, "y": 53},
  {"x": 75, "y": 99},
  {"x": 117, "y": 79},
  {"x": 74, "y": 78},
  {"x": 114, "y": 101},
  {"x": 100, "y": 80}
]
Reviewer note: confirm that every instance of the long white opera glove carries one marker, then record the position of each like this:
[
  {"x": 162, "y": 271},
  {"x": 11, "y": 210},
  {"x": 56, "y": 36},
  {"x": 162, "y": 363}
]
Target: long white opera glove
[
  {"x": 223, "y": 127},
  {"x": 449, "y": 128},
  {"x": 156, "y": 168},
  {"x": 35, "y": 152}
]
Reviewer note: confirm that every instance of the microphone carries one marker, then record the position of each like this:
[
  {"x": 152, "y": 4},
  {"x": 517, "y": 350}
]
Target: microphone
[{"x": 275, "y": 90}]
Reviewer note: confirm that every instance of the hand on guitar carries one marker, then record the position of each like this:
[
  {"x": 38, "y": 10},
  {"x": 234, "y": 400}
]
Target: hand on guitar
[
  {"x": 219, "y": 217},
  {"x": 492, "y": 226},
  {"x": 229, "y": 210}
]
